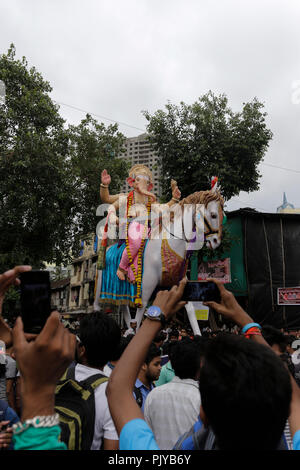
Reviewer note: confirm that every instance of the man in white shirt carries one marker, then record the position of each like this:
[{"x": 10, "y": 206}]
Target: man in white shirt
[
  {"x": 173, "y": 408},
  {"x": 99, "y": 336},
  {"x": 132, "y": 329},
  {"x": 105, "y": 431},
  {"x": 116, "y": 355}
]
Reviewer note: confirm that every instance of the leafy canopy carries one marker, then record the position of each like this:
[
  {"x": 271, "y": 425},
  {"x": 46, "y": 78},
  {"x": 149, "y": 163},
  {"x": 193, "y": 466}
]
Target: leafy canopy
[
  {"x": 50, "y": 174},
  {"x": 205, "y": 139}
]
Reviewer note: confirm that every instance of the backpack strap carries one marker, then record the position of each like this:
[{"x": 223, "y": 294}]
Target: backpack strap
[
  {"x": 90, "y": 383},
  {"x": 70, "y": 372},
  {"x": 183, "y": 439},
  {"x": 204, "y": 439},
  {"x": 138, "y": 396},
  {"x": 94, "y": 381},
  {"x": 3, "y": 410}
]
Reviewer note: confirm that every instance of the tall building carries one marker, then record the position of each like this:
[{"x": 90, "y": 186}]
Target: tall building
[
  {"x": 138, "y": 150},
  {"x": 287, "y": 207}
]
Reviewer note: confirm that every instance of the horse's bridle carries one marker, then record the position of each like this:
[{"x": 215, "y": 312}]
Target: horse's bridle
[{"x": 210, "y": 230}]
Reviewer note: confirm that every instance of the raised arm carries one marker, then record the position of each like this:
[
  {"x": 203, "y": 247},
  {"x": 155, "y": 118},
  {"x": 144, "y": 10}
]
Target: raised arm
[
  {"x": 229, "y": 308},
  {"x": 41, "y": 362},
  {"x": 106, "y": 198},
  {"x": 176, "y": 194},
  {"x": 123, "y": 406},
  {"x": 8, "y": 279}
]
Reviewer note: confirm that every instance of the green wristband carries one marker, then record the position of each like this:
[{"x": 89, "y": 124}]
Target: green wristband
[{"x": 39, "y": 439}]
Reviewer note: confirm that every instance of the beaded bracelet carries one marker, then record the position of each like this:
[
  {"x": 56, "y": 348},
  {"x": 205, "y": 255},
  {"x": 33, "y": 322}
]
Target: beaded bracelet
[{"x": 36, "y": 422}]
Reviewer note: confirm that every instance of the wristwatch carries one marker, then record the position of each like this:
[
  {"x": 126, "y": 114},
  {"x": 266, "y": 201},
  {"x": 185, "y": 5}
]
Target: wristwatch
[{"x": 154, "y": 313}]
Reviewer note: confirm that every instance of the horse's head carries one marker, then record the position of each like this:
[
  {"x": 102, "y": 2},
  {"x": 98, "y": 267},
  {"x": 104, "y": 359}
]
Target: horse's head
[
  {"x": 211, "y": 203},
  {"x": 213, "y": 220}
]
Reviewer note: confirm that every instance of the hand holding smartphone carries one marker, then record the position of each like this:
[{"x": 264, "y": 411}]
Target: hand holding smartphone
[
  {"x": 35, "y": 300},
  {"x": 201, "y": 291}
]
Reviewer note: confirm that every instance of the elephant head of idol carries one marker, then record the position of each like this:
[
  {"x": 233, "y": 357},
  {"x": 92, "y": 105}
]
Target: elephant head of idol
[{"x": 140, "y": 179}]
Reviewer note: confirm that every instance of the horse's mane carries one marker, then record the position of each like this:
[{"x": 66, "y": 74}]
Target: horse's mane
[{"x": 203, "y": 197}]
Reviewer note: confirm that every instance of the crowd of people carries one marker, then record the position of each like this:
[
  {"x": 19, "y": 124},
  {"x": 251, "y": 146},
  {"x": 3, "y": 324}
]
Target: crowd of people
[{"x": 104, "y": 388}]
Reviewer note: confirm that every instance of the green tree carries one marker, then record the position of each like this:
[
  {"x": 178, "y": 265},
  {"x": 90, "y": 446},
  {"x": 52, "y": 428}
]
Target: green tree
[
  {"x": 36, "y": 191},
  {"x": 93, "y": 147},
  {"x": 195, "y": 142},
  {"x": 50, "y": 174}
]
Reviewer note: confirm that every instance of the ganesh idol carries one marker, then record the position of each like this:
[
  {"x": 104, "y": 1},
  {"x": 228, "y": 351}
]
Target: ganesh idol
[{"x": 138, "y": 208}]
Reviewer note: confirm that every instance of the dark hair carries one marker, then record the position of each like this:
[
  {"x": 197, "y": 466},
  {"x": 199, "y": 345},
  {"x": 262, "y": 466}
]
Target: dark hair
[
  {"x": 159, "y": 337},
  {"x": 245, "y": 392},
  {"x": 100, "y": 335},
  {"x": 170, "y": 349},
  {"x": 153, "y": 352},
  {"x": 117, "y": 353},
  {"x": 274, "y": 336},
  {"x": 185, "y": 358},
  {"x": 174, "y": 333},
  {"x": 289, "y": 339}
]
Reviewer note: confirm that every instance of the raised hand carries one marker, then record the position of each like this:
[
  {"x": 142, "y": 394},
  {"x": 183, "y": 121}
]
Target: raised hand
[
  {"x": 8, "y": 279},
  {"x": 105, "y": 178},
  {"x": 176, "y": 193},
  {"x": 5, "y": 435},
  {"x": 42, "y": 363},
  {"x": 229, "y": 307},
  {"x": 169, "y": 301}
]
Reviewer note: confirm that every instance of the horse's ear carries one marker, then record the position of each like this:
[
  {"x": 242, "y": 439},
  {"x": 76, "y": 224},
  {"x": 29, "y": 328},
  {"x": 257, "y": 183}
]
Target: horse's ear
[{"x": 214, "y": 183}]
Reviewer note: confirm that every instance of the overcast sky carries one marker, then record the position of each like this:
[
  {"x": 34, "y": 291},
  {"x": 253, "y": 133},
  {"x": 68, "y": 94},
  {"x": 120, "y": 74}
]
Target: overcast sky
[{"x": 116, "y": 58}]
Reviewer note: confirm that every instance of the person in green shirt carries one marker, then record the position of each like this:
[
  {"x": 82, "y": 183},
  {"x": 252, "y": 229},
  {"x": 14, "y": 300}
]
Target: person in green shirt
[{"x": 166, "y": 374}]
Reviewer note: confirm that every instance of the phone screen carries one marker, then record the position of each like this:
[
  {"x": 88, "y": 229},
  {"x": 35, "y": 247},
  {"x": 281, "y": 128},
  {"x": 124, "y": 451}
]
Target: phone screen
[
  {"x": 201, "y": 291},
  {"x": 35, "y": 300}
]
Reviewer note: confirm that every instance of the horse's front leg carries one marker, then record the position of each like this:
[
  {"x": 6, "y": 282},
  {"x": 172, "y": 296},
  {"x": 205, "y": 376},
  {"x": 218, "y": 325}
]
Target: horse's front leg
[
  {"x": 139, "y": 316},
  {"x": 127, "y": 316}
]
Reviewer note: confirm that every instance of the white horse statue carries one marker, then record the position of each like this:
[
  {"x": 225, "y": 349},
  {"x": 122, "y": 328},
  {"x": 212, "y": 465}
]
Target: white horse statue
[{"x": 165, "y": 257}]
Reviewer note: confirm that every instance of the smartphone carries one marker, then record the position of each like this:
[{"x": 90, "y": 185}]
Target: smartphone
[
  {"x": 201, "y": 291},
  {"x": 35, "y": 300}
]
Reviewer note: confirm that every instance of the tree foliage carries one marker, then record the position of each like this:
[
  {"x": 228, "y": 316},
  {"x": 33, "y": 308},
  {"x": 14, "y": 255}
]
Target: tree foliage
[
  {"x": 195, "y": 142},
  {"x": 94, "y": 147},
  {"x": 50, "y": 174},
  {"x": 36, "y": 197}
]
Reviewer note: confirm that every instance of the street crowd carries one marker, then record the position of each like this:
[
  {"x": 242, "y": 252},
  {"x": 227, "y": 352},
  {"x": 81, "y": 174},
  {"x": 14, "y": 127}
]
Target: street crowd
[{"x": 99, "y": 387}]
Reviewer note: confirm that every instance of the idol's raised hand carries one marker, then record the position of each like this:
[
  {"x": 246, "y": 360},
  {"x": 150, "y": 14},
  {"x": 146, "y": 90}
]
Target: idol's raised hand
[
  {"x": 105, "y": 177},
  {"x": 176, "y": 194}
]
